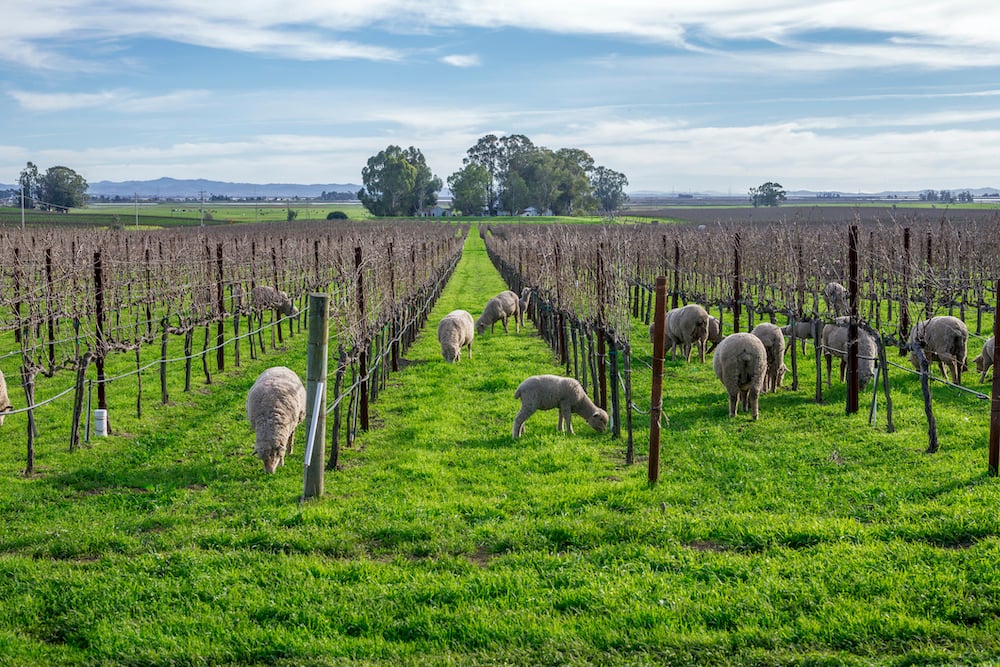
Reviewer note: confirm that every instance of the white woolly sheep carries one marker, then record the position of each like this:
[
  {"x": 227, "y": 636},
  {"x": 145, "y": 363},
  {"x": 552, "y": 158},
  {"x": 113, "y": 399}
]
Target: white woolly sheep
[
  {"x": 276, "y": 405},
  {"x": 5, "y": 403},
  {"x": 686, "y": 326},
  {"x": 714, "y": 332},
  {"x": 740, "y": 362},
  {"x": 835, "y": 296},
  {"x": 944, "y": 339},
  {"x": 455, "y": 331},
  {"x": 834, "y": 343},
  {"x": 545, "y": 392},
  {"x": 774, "y": 344},
  {"x": 983, "y": 362},
  {"x": 498, "y": 309},
  {"x": 803, "y": 331},
  {"x": 522, "y": 305},
  {"x": 264, "y": 297}
]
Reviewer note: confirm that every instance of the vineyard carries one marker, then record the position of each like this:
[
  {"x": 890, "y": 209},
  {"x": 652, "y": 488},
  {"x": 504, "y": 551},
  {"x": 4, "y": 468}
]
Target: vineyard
[
  {"x": 72, "y": 298},
  {"x": 806, "y": 537}
]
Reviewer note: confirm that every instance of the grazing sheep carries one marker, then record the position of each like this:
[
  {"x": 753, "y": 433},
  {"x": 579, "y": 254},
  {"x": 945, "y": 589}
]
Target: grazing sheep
[
  {"x": 545, "y": 392},
  {"x": 5, "y": 403},
  {"x": 740, "y": 362},
  {"x": 944, "y": 339},
  {"x": 499, "y": 308},
  {"x": 264, "y": 297},
  {"x": 802, "y": 330},
  {"x": 982, "y": 362},
  {"x": 685, "y": 326},
  {"x": 455, "y": 331},
  {"x": 522, "y": 305},
  {"x": 714, "y": 332},
  {"x": 774, "y": 344},
  {"x": 276, "y": 405},
  {"x": 834, "y": 343},
  {"x": 835, "y": 296}
]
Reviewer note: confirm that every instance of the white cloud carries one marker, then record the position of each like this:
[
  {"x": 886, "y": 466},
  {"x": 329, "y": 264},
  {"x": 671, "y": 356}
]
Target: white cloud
[
  {"x": 462, "y": 60},
  {"x": 118, "y": 100}
]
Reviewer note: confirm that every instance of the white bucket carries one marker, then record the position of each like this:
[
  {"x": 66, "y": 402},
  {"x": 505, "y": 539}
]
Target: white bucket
[{"x": 100, "y": 423}]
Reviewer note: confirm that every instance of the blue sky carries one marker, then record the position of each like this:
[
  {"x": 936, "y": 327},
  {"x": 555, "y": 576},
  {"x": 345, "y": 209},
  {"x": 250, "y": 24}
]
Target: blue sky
[{"x": 716, "y": 95}]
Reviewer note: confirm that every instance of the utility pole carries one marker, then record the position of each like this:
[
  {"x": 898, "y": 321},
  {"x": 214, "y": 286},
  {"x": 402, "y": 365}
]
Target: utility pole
[
  {"x": 202, "y": 193},
  {"x": 136, "y": 211},
  {"x": 22, "y": 207}
]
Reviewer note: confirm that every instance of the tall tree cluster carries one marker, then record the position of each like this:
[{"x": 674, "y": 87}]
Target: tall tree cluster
[
  {"x": 508, "y": 174},
  {"x": 398, "y": 182},
  {"x": 58, "y": 188}
]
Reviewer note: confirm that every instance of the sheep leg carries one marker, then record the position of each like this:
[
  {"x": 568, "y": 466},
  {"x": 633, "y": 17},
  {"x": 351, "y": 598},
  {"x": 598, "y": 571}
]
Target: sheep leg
[
  {"x": 754, "y": 399},
  {"x": 732, "y": 405},
  {"x": 522, "y": 416},
  {"x": 565, "y": 416},
  {"x": 290, "y": 443},
  {"x": 829, "y": 368},
  {"x": 687, "y": 352},
  {"x": 503, "y": 320}
]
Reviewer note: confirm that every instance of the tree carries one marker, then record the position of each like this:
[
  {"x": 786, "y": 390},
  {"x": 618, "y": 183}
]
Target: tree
[
  {"x": 496, "y": 154},
  {"x": 573, "y": 167},
  {"x": 61, "y": 187},
  {"x": 768, "y": 194},
  {"x": 609, "y": 188},
  {"x": 30, "y": 183},
  {"x": 470, "y": 189},
  {"x": 398, "y": 182}
]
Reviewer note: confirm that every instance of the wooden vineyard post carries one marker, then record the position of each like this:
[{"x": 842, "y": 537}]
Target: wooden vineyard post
[
  {"x": 616, "y": 428},
  {"x": 995, "y": 398},
  {"x": 164, "y": 396},
  {"x": 852, "y": 327},
  {"x": 630, "y": 447},
  {"x": 102, "y": 396},
  {"x": 817, "y": 346},
  {"x": 220, "y": 334},
  {"x": 656, "y": 396},
  {"x": 675, "y": 293},
  {"x": 925, "y": 388},
  {"x": 316, "y": 367},
  {"x": 737, "y": 286},
  {"x": 365, "y": 343},
  {"x": 904, "y": 299}
]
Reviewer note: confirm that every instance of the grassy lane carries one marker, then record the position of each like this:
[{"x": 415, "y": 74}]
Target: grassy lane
[{"x": 804, "y": 538}]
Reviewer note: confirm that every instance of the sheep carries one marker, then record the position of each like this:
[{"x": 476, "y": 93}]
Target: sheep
[
  {"x": 455, "y": 331},
  {"x": 834, "y": 344},
  {"x": 685, "y": 326},
  {"x": 263, "y": 297},
  {"x": 982, "y": 362},
  {"x": 499, "y": 308},
  {"x": 740, "y": 362},
  {"x": 276, "y": 405},
  {"x": 5, "y": 404},
  {"x": 545, "y": 392},
  {"x": 802, "y": 330},
  {"x": 835, "y": 296},
  {"x": 774, "y": 344},
  {"x": 522, "y": 305},
  {"x": 944, "y": 339},
  {"x": 714, "y": 332}
]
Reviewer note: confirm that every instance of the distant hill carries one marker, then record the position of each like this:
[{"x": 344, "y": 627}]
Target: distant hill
[{"x": 172, "y": 188}]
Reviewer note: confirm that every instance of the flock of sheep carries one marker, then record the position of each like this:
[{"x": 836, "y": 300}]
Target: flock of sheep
[
  {"x": 749, "y": 364},
  {"x": 538, "y": 392}
]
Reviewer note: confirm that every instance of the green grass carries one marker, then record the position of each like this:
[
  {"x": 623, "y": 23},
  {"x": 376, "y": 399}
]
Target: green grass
[{"x": 804, "y": 538}]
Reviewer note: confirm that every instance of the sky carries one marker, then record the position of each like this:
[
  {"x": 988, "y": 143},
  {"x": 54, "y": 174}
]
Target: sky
[{"x": 706, "y": 96}]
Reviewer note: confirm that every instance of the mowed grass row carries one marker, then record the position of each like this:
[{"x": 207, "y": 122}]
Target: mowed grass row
[{"x": 806, "y": 537}]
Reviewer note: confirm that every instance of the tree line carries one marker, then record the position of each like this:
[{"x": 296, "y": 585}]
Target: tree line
[
  {"x": 59, "y": 188},
  {"x": 500, "y": 175}
]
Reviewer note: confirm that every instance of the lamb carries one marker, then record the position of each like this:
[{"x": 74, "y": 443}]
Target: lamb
[
  {"x": 545, "y": 392},
  {"x": 803, "y": 331},
  {"x": 740, "y": 362},
  {"x": 944, "y": 339},
  {"x": 455, "y": 331},
  {"x": 835, "y": 296},
  {"x": 522, "y": 305},
  {"x": 982, "y": 362},
  {"x": 834, "y": 343},
  {"x": 499, "y": 308},
  {"x": 5, "y": 404},
  {"x": 276, "y": 405},
  {"x": 774, "y": 344},
  {"x": 264, "y": 297}
]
